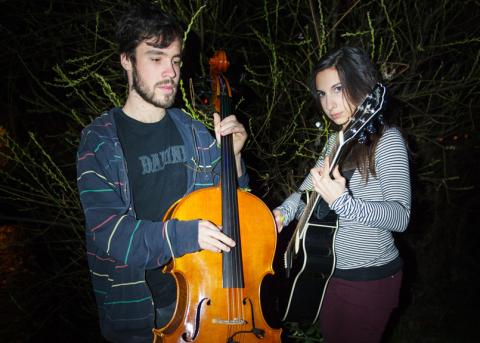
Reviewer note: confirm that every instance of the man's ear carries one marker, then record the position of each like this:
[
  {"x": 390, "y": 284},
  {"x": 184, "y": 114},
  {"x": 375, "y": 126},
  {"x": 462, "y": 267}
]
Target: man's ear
[{"x": 125, "y": 61}]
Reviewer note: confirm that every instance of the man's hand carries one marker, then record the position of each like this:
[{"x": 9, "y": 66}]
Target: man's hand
[
  {"x": 211, "y": 238},
  {"x": 230, "y": 125}
]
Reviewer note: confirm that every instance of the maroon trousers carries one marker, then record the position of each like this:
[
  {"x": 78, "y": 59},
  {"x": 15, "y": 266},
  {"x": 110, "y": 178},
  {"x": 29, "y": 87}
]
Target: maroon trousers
[{"x": 358, "y": 311}]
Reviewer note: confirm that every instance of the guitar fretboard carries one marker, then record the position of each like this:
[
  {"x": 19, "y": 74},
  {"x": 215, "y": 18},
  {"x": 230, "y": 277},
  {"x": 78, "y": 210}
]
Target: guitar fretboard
[{"x": 304, "y": 218}]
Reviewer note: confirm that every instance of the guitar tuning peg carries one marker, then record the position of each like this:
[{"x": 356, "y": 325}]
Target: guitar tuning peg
[
  {"x": 371, "y": 128},
  {"x": 319, "y": 125},
  {"x": 381, "y": 119},
  {"x": 362, "y": 138}
]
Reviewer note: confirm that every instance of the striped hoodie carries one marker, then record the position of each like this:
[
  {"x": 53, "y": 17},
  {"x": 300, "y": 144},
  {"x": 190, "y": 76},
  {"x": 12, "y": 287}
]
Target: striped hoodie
[{"x": 119, "y": 247}]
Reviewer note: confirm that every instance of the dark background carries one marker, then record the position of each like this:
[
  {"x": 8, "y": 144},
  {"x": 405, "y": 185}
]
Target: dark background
[{"x": 59, "y": 69}]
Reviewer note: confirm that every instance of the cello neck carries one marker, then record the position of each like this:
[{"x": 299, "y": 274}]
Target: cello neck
[{"x": 232, "y": 269}]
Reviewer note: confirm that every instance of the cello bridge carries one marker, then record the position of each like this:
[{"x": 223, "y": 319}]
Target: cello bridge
[{"x": 235, "y": 321}]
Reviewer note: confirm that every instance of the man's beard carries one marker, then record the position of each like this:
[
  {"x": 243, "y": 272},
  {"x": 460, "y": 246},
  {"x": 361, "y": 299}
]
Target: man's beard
[{"x": 149, "y": 95}]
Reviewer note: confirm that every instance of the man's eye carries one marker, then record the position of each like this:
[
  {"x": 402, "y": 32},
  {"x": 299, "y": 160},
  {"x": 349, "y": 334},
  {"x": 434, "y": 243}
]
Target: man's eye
[{"x": 155, "y": 59}]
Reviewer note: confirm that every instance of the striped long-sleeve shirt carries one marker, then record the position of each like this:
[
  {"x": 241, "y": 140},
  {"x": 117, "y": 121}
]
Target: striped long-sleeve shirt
[{"x": 368, "y": 212}]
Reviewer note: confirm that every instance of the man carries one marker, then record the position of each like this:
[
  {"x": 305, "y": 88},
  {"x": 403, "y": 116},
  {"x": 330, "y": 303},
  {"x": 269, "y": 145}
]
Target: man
[{"x": 133, "y": 163}]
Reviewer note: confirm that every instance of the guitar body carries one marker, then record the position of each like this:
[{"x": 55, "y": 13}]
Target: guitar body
[{"x": 310, "y": 269}]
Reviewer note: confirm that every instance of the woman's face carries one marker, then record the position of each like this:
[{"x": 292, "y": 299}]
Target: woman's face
[{"x": 332, "y": 98}]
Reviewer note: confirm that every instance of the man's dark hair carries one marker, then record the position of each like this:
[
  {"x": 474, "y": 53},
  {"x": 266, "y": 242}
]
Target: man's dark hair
[{"x": 145, "y": 22}]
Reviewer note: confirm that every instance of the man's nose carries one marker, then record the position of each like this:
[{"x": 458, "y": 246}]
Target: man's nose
[{"x": 169, "y": 70}]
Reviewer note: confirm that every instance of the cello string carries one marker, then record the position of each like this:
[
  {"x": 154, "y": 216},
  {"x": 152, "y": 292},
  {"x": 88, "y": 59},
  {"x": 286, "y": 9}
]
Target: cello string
[
  {"x": 237, "y": 256},
  {"x": 240, "y": 282},
  {"x": 231, "y": 301},
  {"x": 230, "y": 183},
  {"x": 240, "y": 274},
  {"x": 234, "y": 268},
  {"x": 235, "y": 271},
  {"x": 224, "y": 189},
  {"x": 232, "y": 263}
]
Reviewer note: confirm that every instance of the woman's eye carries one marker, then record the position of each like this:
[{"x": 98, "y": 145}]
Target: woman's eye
[
  {"x": 338, "y": 89},
  {"x": 320, "y": 93}
]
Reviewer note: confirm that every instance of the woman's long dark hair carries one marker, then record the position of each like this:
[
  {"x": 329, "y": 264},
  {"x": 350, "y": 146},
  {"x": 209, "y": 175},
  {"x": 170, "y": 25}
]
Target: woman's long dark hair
[{"x": 358, "y": 76}]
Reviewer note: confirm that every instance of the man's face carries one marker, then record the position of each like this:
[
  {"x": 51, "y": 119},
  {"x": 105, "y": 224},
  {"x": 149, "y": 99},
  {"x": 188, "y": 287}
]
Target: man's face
[{"x": 156, "y": 72}]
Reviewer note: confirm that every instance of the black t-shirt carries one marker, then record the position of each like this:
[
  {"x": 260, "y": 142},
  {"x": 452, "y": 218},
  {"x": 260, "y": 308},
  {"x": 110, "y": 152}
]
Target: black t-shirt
[{"x": 155, "y": 156}]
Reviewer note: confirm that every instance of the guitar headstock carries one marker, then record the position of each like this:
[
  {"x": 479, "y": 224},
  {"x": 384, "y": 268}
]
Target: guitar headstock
[{"x": 367, "y": 113}]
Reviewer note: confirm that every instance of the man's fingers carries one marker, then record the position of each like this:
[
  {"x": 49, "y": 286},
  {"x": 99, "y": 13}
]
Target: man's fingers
[
  {"x": 222, "y": 238},
  {"x": 210, "y": 247},
  {"x": 211, "y": 238},
  {"x": 216, "y": 118},
  {"x": 216, "y": 123},
  {"x": 230, "y": 124}
]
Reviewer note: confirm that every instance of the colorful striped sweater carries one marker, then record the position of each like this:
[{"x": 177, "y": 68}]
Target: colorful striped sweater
[{"x": 119, "y": 247}]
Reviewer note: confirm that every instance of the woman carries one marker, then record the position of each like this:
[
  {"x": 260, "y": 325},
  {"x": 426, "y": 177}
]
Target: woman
[{"x": 375, "y": 202}]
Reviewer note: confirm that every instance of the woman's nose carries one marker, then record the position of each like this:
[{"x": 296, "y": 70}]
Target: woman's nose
[{"x": 330, "y": 103}]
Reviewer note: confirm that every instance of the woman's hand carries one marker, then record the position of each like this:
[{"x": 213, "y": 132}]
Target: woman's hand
[
  {"x": 328, "y": 188},
  {"x": 279, "y": 219}
]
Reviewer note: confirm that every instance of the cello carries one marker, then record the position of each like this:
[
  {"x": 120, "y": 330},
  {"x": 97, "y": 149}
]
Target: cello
[{"x": 218, "y": 294}]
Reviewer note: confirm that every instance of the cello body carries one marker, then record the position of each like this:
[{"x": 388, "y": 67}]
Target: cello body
[
  {"x": 207, "y": 312},
  {"x": 218, "y": 294}
]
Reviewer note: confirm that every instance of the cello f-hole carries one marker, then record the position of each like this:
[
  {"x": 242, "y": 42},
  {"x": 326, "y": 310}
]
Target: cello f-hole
[{"x": 186, "y": 337}]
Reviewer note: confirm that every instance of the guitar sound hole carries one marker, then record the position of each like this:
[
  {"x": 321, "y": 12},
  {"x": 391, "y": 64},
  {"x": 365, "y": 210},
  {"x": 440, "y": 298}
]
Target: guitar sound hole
[
  {"x": 325, "y": 252},
  {"x": 322, "y": 212},
  {"x": 321, "y": 276}
]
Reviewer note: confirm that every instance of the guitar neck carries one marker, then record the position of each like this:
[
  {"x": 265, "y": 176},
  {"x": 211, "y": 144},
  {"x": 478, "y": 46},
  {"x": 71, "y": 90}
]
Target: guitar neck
[
  {"x": 314, "y": 197},
  {"x": 311, "y": 203}
]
